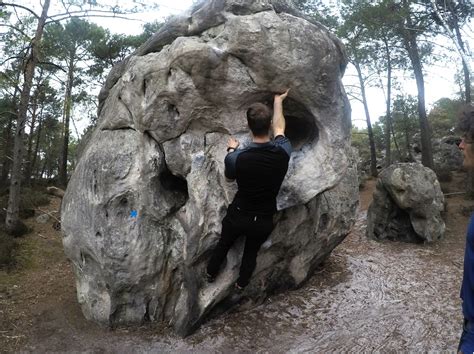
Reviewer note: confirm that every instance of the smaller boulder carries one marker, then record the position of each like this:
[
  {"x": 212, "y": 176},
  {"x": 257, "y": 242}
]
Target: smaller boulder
[
  {"x": 42, "y": 219},
  {"x": 58, "y": 192},
  {"x": 446, "y": 154},
  {"x": 407, "y": 205}
]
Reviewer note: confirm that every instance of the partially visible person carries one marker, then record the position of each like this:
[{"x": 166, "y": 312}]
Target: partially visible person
[{"x": 466, "y": 344}]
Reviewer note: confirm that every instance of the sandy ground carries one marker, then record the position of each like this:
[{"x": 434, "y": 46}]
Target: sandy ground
[{"x": 368, "y": 296}]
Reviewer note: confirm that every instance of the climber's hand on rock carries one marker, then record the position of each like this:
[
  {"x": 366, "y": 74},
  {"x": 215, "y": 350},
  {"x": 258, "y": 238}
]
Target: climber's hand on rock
[
  {"x": 281, "y": 97},
  {"x": 233, "y": 143}
]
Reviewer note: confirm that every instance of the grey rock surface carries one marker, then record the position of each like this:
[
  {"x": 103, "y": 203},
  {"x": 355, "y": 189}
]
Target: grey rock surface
[
  {"x": 144, "y": 206},
  {"x": 407, "y": 205},
  {"x": 42, "y": 219},
  {"x": 446, "y": 154}
]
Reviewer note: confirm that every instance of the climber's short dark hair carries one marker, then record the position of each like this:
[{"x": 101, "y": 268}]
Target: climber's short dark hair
[{"x": 259, "y": 119}]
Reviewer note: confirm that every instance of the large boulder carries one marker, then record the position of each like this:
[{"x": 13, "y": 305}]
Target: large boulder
[
  {"x": 144, "y": 206},
  {"x": 407, "y": 205}
]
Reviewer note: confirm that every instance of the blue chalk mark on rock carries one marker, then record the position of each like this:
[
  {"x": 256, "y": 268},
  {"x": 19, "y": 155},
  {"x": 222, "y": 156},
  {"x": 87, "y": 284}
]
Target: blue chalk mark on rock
[{"x": 133, "y": 213}]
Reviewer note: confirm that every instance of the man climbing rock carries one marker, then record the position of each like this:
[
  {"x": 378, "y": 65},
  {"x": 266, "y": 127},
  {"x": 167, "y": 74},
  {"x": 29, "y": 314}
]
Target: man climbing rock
[{"x": 259, "y": 170}]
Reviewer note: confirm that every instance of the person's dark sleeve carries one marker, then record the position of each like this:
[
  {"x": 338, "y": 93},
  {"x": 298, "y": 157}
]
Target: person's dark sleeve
[
  {"x": 284, "y": 143},
  {"x": 230, "y": 162}
]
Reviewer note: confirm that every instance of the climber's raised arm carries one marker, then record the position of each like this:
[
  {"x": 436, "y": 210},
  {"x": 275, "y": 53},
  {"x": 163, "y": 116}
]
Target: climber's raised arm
[{"x": 278, "y": 117}]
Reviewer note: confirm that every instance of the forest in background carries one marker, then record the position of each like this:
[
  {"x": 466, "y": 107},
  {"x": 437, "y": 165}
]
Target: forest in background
[
  {"x": 386, "y": 40},
  {"x": 54, "y": 62}
]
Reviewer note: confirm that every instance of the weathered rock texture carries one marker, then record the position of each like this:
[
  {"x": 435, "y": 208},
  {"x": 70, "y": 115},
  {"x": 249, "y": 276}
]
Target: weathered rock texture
[
  {"x": 446, "y": 154},
  {"x": 407, "y": 205},
  {"x": 144, "y": 206}
]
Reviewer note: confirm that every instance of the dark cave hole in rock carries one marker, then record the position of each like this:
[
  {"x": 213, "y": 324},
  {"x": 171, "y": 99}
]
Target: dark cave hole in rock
[
  {"x": 173, "y": 110},
  {"x": 300, "y": 123},
  {"x": 400, "y": 227},
  {"x": 175, "y": 184},
  {"x": 323, "y": 222},
  {"x": 301, "y": 126}
]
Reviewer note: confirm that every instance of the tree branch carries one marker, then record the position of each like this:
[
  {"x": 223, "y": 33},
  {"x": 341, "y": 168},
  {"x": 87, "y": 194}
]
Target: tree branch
[
  {"x": 451, "y": 35},
  {"x": 16, "y": 29},
  {"x": 8, "y": 59},
  {"x": 21, "y": 7},
  {"x": 87, "y": 16},
  {"x": 52, "y": 64}
]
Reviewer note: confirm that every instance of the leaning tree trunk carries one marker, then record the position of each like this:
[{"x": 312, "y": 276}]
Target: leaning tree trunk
[
  {"x": 373, "y": 155},
  {"x": 12, "y": 219},
  {"x": 426, "y": 147},
  {"x": 67, "y": 118}
]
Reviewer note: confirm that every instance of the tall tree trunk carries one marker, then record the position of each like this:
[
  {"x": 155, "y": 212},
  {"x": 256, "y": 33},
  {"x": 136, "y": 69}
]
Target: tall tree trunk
[
  {"x": 465, "y": 68},
  {"x": 408, "y": 156},
  {"x": 395, "y": 140},
  {"x": 67, "y": 118},
  {"x": 43, "y": 169},
  {"x": 426, "y": 147},
  {"x": 38, "y": 137},
  {"x": 388, "y": 122},
  {"x": 12, "y": 219},
  {"x": 34, "y": 113},
  {"x": 373, "y": 155}
]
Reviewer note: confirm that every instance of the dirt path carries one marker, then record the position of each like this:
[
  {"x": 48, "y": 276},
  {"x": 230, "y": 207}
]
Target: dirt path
[{"x": 368, "y": 296}]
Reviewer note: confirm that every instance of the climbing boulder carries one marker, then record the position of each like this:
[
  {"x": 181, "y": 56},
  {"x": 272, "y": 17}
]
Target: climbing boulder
[
  {"x": 144, "y": 206},
  {"x": 407, "y": 205}
]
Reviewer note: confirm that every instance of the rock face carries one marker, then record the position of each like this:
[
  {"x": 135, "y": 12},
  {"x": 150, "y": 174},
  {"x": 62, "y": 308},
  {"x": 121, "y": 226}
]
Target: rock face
[
  {"x": 407, "y": 205},
  {"x": 446, "y": 154},
  {"x": 144, "y": 206}
]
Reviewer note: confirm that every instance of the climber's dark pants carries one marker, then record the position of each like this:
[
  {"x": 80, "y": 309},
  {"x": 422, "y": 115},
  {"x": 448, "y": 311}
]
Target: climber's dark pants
[{"x": 236, "y": 223}]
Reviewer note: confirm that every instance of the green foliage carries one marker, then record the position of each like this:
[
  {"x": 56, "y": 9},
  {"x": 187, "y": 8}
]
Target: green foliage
[
  {"x": 378, "y": 130},
  {"x": 320, "y": 11},
  {"x": 73, "y": 41},
  {"x": 454, "y": 12},
  {"x": 149, "y": 29},
  {"x": 443, "y": 116},
  {"x": 405, "y": 124},
  {"x": 7, "y": 117},
  {"x": 109, "y": 50},
  {"x": 113, "y": 48},
  {"x": 360, "y": 140},
  {"x": 72, "y": 156},
  {"x": 50, "y": 148}
]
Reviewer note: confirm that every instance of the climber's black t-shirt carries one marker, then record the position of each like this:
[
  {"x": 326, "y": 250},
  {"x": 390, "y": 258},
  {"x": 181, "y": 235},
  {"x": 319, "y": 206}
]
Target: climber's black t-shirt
[{"x": 259, "y": 170}]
